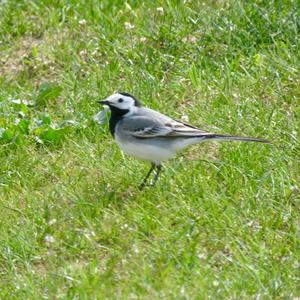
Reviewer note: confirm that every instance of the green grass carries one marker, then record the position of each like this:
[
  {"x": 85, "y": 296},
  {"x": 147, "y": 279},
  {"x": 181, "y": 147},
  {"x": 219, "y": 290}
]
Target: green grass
[{"x": 223, "y": 221}]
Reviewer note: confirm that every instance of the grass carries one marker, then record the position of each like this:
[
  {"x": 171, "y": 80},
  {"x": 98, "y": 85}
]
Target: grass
[{"x": 223, "y": 221}]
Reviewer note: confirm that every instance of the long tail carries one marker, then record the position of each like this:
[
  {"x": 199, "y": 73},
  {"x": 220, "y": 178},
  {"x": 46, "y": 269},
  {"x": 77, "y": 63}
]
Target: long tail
[{"x": 225, "y": 137}]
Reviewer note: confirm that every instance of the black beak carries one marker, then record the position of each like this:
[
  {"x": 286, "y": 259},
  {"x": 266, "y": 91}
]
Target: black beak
[{"x": 103, "y": 102}]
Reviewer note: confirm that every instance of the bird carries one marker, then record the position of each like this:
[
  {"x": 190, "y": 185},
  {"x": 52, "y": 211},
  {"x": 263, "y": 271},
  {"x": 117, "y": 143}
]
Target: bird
[{"x": 149, "y": 135}]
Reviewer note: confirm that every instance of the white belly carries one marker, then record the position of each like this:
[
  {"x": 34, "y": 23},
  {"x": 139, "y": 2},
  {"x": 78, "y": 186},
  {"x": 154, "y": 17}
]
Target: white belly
[
  {"x": 146, "y": 152},
  {"x": 155, "y": 153}
]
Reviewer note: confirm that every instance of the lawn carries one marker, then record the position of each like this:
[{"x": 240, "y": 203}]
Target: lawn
[{"x": 223, "y": 221}]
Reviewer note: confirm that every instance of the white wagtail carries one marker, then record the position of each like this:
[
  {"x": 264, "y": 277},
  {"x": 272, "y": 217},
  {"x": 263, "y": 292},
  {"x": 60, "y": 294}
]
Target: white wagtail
[{"x": 149, "y": 135}]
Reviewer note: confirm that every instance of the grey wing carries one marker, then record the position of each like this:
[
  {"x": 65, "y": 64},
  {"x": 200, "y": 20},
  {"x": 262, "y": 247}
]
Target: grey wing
[{"x": 146, "y": 127}]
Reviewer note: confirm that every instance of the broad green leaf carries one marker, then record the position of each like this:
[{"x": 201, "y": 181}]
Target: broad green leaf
[
  {"x": 7, "y": 135},
  {"x": 23, "y": 126},
  {"x": 53, "y": 136},
  {"x": 44, "y": 120}
]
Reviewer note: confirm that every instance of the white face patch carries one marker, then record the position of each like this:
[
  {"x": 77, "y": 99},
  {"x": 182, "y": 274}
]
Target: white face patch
[{"x": 120, "y": 101}]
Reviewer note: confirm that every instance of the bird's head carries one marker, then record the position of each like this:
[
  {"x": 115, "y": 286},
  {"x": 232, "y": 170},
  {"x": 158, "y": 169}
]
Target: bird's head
[{"x": 121, "y": 101}]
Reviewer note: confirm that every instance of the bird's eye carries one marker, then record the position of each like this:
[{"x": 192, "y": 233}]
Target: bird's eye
[{"x": 121, "y": 100}]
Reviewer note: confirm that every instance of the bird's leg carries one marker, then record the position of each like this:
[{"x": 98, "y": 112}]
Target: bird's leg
[
  {"x": 147, "y": 176},
  {"x": 158, "y": 170}
]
